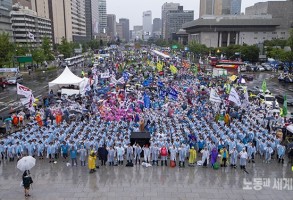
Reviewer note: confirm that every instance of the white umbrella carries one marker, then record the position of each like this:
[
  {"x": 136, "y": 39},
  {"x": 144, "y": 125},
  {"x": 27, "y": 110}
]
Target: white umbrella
[{"x": 26, "y": 163}]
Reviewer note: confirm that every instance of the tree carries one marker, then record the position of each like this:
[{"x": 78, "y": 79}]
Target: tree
[
  {"x": 249, "y": 53},
  {"x": 66, "y": 48},
  {"x": 290, "y": 40},
  {"x": 198, "y": 49},
  {"x": 46, "y": 46},
  {"x": 38, "y": 55},
  {"x": 6, "y": 49},
  {"x": 275, "y": 42}
]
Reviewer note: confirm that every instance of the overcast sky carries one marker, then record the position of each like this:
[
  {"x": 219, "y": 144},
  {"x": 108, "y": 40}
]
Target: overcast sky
[{"x": 132, "y": 9}]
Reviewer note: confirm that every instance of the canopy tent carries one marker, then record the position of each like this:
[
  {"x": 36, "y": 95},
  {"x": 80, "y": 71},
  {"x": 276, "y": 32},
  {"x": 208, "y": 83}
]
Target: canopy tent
[
  {"x": 67, "y": 78},
  {"x": 158, "y": 53}
]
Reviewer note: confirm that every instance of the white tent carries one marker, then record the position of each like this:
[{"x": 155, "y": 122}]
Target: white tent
[{"x": 67, "y": 78}]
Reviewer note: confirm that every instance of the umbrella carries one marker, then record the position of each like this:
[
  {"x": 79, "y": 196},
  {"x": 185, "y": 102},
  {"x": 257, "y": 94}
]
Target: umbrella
[{"x": 26, "y": 163}]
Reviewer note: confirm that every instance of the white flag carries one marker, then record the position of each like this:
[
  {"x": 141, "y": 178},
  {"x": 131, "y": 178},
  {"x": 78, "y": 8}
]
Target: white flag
[
  {"x": 120, "y": 81},
  {"x": 31, "y": 36},
  {"x": 234, "y": 97},
  {"x": 22, "y": 90},
  {"x": 113, "y": 80},
  {"x": 214, "y": 96},
  {"x": 28, "y": 102}
]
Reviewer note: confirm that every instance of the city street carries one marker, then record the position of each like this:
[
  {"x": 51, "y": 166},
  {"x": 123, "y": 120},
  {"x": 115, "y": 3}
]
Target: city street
[
  {"x": 59, "y": 182},
  {"x": 38, "y": 82}
]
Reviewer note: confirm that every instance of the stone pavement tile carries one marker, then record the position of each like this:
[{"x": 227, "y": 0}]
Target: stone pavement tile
[
  {"x": 205, "y": 195},
  {"x": 191, "y": 195},
  {"x": 150, "y": 194}
]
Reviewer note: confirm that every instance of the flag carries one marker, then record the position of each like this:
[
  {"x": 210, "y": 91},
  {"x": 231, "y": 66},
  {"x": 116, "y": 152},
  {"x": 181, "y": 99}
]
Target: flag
[
  {"x": 162, "y": 93},
  {"x": 173, "y": 69},
  {"x": 173, "y": 94},
  {"x": 285, "y": 110},
  {"x": 113, "y": 80},
  {"x": 159, "y": 67},
  {"x": 214, "y": 96},
  {"x": 234, "y": 97},
  {"x": 264, "y": 86},
  {"x": 246, "y": 98},
  {"x": 125, "y": 76},
  {"x": 147, "y": 82},
  {"x": 146, "y": 100},
  {"x": 121, "y": 80},
  {"x": 22, "y": 90},
  {"x": 31, "y": 36}
]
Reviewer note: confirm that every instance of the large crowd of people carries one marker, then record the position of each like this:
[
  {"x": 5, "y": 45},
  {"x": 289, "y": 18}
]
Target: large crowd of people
[{"x": 185, "y": 126}]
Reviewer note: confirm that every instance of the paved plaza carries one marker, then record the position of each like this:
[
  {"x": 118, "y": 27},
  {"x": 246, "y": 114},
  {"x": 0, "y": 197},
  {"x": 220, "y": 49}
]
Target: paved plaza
[{"x": 62, "y": 182}]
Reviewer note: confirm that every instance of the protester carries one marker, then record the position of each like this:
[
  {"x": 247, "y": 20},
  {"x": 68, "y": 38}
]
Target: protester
[{"x": 27, "y": 181}]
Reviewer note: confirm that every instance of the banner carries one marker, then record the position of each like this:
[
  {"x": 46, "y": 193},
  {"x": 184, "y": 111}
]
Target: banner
[
  {"x": 264, "y": 86},
  {"x": 22, "y": 90},
  {"x": 173, "y": 69},
  {"x": 234, "y": 97},
  {"x": 105, "y": 75},
  {"x": 159, "y": 67},
  {"x": 214, "y": 97}
]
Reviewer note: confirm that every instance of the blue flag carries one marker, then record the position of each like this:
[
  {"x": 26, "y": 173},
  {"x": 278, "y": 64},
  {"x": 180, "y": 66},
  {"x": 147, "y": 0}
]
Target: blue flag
[
  {"x": 146, "y": 100},
  {"x": 125, "y": 76},
  {"x": 162, "y": 93},
  {"x": 173, "y": 94},
  {"x": 147, "y": 82},
  {"x": 160, "y": 84}
]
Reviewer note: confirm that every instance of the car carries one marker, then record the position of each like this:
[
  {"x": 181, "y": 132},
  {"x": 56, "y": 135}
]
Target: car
[
  {"x": 250, "y": 68},
  {"x": 268, "y": 100},
  {"x": 13, "y": 80},
  {"x": 267, "y": 67},
  {"x": 260, "y": 68},
  {"x": 247, "y": 77},
  {"x": 260, "y": 90},
  {"x": 280, "y": 99},
  {"x": 3, "y": 82}
]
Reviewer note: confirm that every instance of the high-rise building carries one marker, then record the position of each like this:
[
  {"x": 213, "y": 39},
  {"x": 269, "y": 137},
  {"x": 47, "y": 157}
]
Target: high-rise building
[
  {"x": 235, "y": 7},
  {"x": 137, "y": 33},
  {"x": 39, "y": 6},
  {"x": 5, "y": 18},
  {"x": 157, "y": 27},
  {"x": 175, "y": 19},
  {"x": 102, "y": 16},
  {"x": 219, "y": 7},
  {"x": 119, "y": 31},
  {"x": 165, "y": 8},
  {"x": 125, "y": 29},
  {"x": 92, "y": 18},
  {"x": 282, "y": 10},
  {"x": 147, "y": 22},
  {"x": 24, "y": 3},
  {"x": 29, "y": 28},
  {"x": 78, "y": 20},
  {"x": 111, "y": 26}
]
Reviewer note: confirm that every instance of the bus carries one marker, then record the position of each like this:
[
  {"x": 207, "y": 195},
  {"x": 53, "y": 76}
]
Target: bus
[
  {"x": 74, "y": 61},
  {"x": 213, "y": 61},
  {"x": 234, "y": 67}
]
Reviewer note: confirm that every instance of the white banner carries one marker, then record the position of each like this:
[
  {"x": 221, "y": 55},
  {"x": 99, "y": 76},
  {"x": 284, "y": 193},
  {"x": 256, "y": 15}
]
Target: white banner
[
  {"x": 28, "y": 102},
  {"x": 105, "y": 75},
  {"x": 3, "y": 70},
  {"x": 22, "y": 90},
  {"x": 214, "y": 96},
  {"x": 234, "y": 97}
]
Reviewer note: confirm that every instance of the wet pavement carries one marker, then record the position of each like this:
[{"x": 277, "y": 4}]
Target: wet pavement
[{"x": 59, "y": 182}]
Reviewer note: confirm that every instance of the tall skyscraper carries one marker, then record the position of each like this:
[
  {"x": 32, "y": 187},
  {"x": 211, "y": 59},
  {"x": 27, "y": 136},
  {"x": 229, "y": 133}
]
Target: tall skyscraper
[
  {"x": 165, "y": 8},
  {"x": 125, "y": 29},
  {"x": 78, "y": 20},
  {"x": 235, "y": 7},
  {"x": 5, "y": 22},
  {"x": 219, "y": 7},
  {"x": 39, "y": 6},
  {"x": 147, "y": 22},
  {"x": 157, "y": 27},
  {"x": 102, "y": 16},
  {"x": 175, "y": 19},
  {"x": 111, "y": 26},
  {"x": 92, "y": 18},
  {"x": 24, "y": 3},
  {"x": 25, "y": 21}
]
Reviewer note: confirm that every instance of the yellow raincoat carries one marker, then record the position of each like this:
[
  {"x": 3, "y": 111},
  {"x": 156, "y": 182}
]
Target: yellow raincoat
[
  {"x": 192, "y": 156},
  {"x": 222, "y": 155},
  {"x": 92, "y": 161}
]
